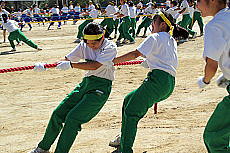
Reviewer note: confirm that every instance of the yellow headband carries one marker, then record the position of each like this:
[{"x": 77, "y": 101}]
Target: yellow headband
[
  {"x": 93, "y": 37},
  {"x": 167, "y": 22}
]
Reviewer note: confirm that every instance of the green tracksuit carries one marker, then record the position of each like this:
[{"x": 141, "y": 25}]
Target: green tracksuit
[
  {"x": 133, "y": 27},
  {"x": 109, "y": 23},
  {"x": 197, "y": 17},
  {"x": 79, "y": 107},
  {"x": 156, "y": 87},
  {"x": 81, "y": 28},
  {"x": 144, "y": 24},
  {"x": 186, "y": 20},
  {"x": 217, "y": 131},
  {"x": 19, "y": 36},
  {"x": 124, "y": 29}
]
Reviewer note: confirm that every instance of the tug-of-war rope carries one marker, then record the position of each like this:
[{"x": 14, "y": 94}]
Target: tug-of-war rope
[{"x": 54, "y": 65}]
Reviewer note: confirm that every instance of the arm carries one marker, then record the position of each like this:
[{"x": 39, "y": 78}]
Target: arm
[
  {"x": 182, "y": 10},
  {"x": 210, "y": 69},
  {"x": 126, "y": 57}
]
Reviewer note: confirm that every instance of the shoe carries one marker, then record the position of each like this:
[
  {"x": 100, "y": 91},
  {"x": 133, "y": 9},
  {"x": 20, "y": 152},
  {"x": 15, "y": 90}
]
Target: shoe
[
  {"x": 14, "y": 49},
  {"x": 124, "y": 41},
  {"x": 201, "y": 34},
  {"x": 183, "y": 40},
  {"x": 144, "y": 36},
  {"x": 132, "y": 42},
  {"x": 58, "y": 27},
  {"x": 77, "y": 40},
  {"x": 115, "y": 36},
  {"x": 194, "y": 36},
  {"x": 116, "y": 142},
  {"x": 39, "y": 150},
  {"x": 39, "y": 48}
]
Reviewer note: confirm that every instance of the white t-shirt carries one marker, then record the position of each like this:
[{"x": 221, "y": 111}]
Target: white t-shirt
[
  {"x": 65, "y": 9},
  {"x": 173, "y": 12},
  {"x": 160, "y": 50},
  {"x": 133, "y": 12},
  {"x": 77, "y": 8},
  {"x": 10, "y": 25},
  {"x": 191, "y": 11},
  {"x": 125, "y": 10},
  {"x": 217, "y": 40},
  {"x": 104, "y": 55},
  {"x": 37, "y": 10},
  {"x": 54, "y": 10},
  {"x": 110, "y": 10},
  {"x": 185, "y": 5},
  {"x": 94, "y": 13}
]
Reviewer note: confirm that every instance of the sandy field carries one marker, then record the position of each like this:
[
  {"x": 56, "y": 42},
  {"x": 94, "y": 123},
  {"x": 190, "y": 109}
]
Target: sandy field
[{"x": 27, "y": 98}]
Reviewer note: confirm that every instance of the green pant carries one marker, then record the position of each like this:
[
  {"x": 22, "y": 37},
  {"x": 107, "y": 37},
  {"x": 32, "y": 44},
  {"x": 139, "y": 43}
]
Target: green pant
[
  {"x": 156, "y": 87},
  {"x": 197, "y": 17},
  {"x": 217, "y": 131},
  {"x": 186, "y": 20},
  {"x": 79, "y": 107},
  {"x": 144, "y": 24},
  {"x": 81, "y": 28},
  {"x": 109, "y": 23},
  {"x": 19, "y": 36},
  {"x": 133, "y": 27},
  {"x": 116, "y": 23},
  {"x": 124, "y": 29}
]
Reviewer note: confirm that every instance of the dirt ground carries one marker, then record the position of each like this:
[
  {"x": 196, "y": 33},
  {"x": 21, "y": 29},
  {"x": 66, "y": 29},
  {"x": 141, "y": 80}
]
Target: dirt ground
[{"x": 27, "y": 98}]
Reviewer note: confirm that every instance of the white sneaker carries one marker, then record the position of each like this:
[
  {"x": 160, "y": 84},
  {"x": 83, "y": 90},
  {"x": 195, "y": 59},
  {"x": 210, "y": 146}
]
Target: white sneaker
[
  {"x": 116, "y": 142},
  {"x": 39, "y": 150},
  {"x": 132, "y": 42},
  {"x": 39, "y": 48}
]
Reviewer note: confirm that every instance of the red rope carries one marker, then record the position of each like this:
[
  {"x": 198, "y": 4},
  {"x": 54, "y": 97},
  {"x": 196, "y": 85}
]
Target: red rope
[{"x": 54, "y": 65}]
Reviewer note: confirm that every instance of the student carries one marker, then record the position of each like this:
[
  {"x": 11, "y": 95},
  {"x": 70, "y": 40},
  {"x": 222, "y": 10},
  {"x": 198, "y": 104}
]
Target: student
[
  {"x": 3, "y": 11},
  {"x": 133, "y": 14},
  {"x": 186, "y": 19},
  {"x": 77, "y": 11},
  {"x": 16, "y": 34},
  {"x": 160, "y": 50},
  {"x": 94, "y": 13},
  {"x": 124, "y": 13},
  {"x": 173, "y": 10},
  {"x": 197, "y": 17},
  {"x": 149, "y": 11},
  {"x": 217, "y": 52},
  {"x": 87, "y": 99},
  {"x": 64, "y": 13},
  {"x": 109, "y": 22},
  {"x": 55, "y": 16}
]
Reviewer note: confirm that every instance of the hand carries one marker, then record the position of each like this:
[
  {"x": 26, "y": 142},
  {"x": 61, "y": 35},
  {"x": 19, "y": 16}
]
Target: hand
[
  {"x": 201, "y": 83},
  {"x": 145, "y": 64},
  {"x": 39, "y": 67},
  {"x": 64, "y": 65},
  {"x": 222, "y": 82}
]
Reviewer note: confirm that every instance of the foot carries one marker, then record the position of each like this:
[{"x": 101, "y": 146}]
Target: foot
[
  {"x": 39, "y": 48},
  {"x": 116, "y": 142},
  {"x": 115, "y": 36},
  {"x": 14, "y": 49},
  {"x": 39, "y": 150},
  {"x": 30, "y": 29},
  {"x": 144, "y": 36},
  {"x": 201, "y": 34},
  {"x": 194, "y": 35},
  {"x": 58, "y": 27},
  {"x": 183, "y": 40},
  {"x": 125, "y": 41},
  {"x": 132, "y": 42},
  {"x": 77, "y": 40}
]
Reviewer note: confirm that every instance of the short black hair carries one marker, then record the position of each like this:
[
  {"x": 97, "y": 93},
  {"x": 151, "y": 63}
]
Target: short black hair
[{"x": 93, "y": 29}]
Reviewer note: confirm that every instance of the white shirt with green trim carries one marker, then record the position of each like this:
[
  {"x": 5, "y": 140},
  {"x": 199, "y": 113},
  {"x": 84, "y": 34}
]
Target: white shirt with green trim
[
  {"x": 125, "y": 10},
  {"x": 160, "y": 50},
  {"x": 10, "y": 25},
  {"x": 185, "y": 5},
  {"x": 104, "y": 55},
  {"x": 110, "y": 11},
  {"x": 217, "y": 41}
]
